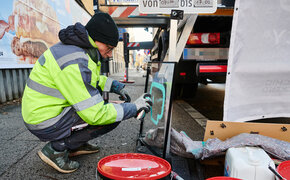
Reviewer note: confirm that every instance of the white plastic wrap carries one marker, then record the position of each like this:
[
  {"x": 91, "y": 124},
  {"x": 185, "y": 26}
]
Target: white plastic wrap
[
  {"x": 275, "y": 147},
  {"x": 182, "y": 145}
]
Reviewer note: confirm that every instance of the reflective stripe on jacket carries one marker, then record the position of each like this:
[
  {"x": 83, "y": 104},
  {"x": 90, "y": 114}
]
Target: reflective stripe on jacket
[{"x": 66, "y": 76}]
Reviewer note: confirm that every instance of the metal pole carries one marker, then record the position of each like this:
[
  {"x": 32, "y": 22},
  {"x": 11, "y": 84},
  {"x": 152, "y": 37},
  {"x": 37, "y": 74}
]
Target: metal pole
[
  {"x": 174, "y": 17},
  {"x": 126, "y": 54},
  {"x": 172, "y": 39},
  {"x": 145, "y": 91},
  {"x": 126, "y": 72},
  {"x": 105, "y": 71},
  {"x": 147, "y": 79},
  {"x": 126, "y": 58}
]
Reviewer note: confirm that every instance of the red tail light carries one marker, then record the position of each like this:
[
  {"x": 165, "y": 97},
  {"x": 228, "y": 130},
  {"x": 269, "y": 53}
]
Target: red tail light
[
  {"x": 203, "y": 38},
  {"x": 212, "y": 68},
  {"x": 182, "y": 74}
]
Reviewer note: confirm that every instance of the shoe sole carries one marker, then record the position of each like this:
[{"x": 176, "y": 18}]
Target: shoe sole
[
  {"x": 81, "y": 153},
  {"x": 52, "y": 164}
]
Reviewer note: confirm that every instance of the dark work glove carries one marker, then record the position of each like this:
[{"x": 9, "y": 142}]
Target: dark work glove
[
  {"x": 144, "y": 102},
  {"x": 124, "y": 95},
  {"x": 119, "y": 88}
]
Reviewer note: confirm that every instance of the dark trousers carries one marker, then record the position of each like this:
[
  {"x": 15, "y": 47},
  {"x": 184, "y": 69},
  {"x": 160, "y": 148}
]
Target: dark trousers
[
  {"x": 78, "y": 138},
  {"x": 62, "y": 136}
]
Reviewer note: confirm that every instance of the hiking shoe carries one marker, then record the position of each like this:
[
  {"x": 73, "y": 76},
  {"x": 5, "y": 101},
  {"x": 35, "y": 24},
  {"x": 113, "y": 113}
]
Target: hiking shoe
[
  {"x": 57, "y": 160},
  {"x": 84, "y": 149}
]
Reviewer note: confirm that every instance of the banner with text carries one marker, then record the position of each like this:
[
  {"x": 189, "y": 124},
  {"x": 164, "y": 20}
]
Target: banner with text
[{"x": 188, "y": 6}]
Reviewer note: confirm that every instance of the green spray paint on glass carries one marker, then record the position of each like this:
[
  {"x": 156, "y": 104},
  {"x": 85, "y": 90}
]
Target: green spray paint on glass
[{"x": 162, "y": 89}]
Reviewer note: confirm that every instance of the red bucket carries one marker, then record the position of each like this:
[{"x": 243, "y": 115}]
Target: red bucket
[
  {"x": 222, "y": 178},
  {"x": 284, "y": 169},
  {"x": 135, "y": 166}
]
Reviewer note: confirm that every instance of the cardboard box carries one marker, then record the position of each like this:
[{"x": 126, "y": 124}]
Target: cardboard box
[{"x": 224, "y": 130}]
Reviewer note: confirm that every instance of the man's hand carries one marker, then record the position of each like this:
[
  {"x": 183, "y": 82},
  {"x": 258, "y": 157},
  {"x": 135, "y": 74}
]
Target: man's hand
[
  {"x": 124, "y": 95},
  {"x": 119, "y": 88},
  {"x": 144, "y": 102}
]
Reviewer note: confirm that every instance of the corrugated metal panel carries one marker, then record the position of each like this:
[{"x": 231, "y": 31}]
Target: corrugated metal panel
[
  {"x": 2, "y": 89},
  {"x": 12, "y": 83}
]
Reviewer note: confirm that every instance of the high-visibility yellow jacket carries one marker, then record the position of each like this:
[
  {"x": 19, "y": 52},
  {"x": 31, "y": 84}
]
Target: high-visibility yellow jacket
[{"x": 66, "y": 76}]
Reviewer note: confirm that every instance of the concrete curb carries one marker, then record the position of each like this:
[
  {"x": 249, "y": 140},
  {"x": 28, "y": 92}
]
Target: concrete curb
[{"x": 197, "y": 116}]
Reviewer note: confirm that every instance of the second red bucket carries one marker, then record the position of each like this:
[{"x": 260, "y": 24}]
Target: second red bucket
[
  {"x": 222, "y": 178},
  {"x": 284, "y": 169}
]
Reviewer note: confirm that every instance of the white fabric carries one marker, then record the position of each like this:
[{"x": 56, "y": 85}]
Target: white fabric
[{"x": 258, "y": 80}]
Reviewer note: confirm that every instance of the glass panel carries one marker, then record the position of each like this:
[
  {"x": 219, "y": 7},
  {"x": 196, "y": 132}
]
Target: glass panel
[{"x": 160, "y": 88}]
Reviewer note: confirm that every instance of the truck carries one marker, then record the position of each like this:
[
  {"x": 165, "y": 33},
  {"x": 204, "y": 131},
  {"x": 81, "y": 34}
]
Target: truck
[{"x": 204, "y": 56}]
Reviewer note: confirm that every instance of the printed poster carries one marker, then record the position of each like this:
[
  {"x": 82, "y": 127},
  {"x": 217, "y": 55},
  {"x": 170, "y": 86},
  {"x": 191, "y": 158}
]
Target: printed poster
[{"x": 29, "y": 27}]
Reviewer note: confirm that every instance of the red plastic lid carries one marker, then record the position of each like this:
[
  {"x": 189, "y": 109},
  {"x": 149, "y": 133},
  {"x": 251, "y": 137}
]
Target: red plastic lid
[
  {"x": 284, "y": 169},
  {"x": 133, "y": 166},
  {"x": 222, "y": 178}
]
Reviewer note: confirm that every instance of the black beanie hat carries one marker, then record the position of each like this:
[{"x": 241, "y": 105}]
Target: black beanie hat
[{"x": 101, "y": 27}]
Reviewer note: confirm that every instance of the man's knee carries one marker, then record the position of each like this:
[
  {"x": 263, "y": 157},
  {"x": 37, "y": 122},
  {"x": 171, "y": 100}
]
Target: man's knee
[{"x": 100, "y": 130}]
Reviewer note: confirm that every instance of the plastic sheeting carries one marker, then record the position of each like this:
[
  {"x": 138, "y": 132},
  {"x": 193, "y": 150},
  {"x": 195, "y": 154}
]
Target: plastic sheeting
[
  {"x": 182, "y": 145},
  {"x": 258, "y": 84}
]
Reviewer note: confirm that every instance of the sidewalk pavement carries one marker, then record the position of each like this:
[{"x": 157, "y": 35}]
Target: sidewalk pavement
[{"x": 18, "y": 147}]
